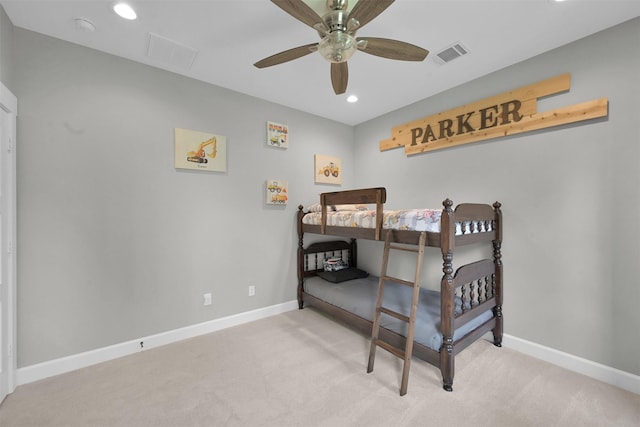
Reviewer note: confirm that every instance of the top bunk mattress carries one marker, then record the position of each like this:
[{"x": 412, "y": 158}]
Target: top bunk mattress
[{"x": 406, "y": 219}]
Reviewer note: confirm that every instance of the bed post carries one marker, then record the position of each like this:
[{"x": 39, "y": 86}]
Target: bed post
[
  {"x": 300, "y": 258},
  {"x": 353, "y": 262},
  {"x": 447, "y": 242},
  {"x": 497, "y": 260}
]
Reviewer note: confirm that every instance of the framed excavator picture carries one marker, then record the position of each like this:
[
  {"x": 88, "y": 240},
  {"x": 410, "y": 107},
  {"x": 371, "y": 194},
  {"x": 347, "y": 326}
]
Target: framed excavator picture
[
  {"x": 328, "y": 170},
  {"x": 200, "y": 151}
]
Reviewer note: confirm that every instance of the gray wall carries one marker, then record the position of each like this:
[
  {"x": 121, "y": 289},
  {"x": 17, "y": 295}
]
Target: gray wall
[
  {"x": 570, "y": 195},
  {"x": 6, "y": 49},
  {"x": 114, "y": 242}
]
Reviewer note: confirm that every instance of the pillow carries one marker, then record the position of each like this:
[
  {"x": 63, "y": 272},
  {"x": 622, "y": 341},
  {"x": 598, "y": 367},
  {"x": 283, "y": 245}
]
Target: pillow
[
  {"x": 334, "y": 264},
  {"x": 350, "y": 208},
  {"x": 316, "y": 207},
  {"x": 343, "y": 275}
]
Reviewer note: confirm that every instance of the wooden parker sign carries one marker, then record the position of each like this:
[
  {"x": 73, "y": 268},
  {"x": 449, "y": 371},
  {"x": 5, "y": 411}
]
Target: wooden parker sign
[{"x": 502, "y": 115}]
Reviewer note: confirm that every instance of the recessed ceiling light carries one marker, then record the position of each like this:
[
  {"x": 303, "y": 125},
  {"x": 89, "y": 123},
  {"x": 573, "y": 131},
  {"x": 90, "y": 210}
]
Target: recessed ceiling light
[
  {"x": 125, "y": 11},
  {"x": 352, "y": 98}
]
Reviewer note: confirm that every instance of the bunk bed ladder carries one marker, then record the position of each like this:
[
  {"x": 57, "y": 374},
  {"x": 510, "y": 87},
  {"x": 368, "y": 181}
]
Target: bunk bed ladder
[{"x": 411, "y": 319}]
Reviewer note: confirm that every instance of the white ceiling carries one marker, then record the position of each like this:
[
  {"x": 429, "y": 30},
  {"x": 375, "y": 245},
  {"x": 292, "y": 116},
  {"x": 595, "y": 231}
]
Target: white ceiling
[{"x": 231, "y": 35}]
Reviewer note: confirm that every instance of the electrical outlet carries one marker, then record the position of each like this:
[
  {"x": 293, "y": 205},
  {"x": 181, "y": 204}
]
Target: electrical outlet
[
  {"x": 252, "y": 290},
  {"x": 207, "y": 299}
]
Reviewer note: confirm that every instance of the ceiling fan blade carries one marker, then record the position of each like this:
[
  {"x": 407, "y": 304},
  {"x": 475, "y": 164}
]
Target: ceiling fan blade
[
  {"x": 365, "y": 10},
  {"x": 299, "y": 10},
  {"x": 339, "y": 77},
  {"x": 287, "y": 55},
  {"x": 392, "y": 49}
]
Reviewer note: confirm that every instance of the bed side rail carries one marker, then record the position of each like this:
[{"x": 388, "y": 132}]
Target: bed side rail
[
  {"x": 361, "y": 196},
  {"x": 367, "y": 196},
  {"x": 474, "y": 291}
]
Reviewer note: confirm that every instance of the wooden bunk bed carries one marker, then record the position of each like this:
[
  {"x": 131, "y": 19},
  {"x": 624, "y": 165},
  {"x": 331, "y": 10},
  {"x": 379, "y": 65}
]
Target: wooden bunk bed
[{"x": 468, "y": 305}]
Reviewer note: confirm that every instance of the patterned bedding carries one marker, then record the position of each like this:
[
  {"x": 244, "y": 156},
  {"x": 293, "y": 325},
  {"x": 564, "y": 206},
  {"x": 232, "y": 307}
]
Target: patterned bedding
[{"x": 407, "y": 219}]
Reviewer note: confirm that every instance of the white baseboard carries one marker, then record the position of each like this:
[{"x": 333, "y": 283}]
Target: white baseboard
[
  {"x": 48, "y": 369},
  {"x": 609, "y": 375}
]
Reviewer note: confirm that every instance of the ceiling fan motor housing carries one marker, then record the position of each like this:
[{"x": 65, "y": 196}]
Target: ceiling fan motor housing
[
  {"x": 336, "y": 20},
  {"x": 337, "y": 4}
]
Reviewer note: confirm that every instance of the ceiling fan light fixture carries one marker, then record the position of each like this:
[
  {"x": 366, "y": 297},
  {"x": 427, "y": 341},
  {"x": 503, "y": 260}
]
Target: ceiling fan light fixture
[{"x": 337, "y": 47}]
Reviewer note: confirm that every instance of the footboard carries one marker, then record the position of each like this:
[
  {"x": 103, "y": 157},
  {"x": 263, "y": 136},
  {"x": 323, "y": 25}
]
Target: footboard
[
  {"x": 478, "y": 286},
  {"x": 472, "y": 291}
]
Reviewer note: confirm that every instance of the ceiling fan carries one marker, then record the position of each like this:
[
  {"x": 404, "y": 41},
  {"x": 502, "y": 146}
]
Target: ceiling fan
[{"x": 337, "y": 29}]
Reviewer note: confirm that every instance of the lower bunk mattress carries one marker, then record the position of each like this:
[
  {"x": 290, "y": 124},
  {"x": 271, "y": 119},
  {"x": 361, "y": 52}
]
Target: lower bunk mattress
[{"x": 358, "y": 296}]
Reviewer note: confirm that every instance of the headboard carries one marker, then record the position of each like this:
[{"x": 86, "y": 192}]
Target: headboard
[{"x": 314, "y": 255}]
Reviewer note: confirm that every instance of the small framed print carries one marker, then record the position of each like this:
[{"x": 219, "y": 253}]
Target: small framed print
[
  {"x": 277, "y": 135},
  {"x": 328, "y": 170},
  {"x": 200, "y": 151},
  {"x": 277, "y": 192}
]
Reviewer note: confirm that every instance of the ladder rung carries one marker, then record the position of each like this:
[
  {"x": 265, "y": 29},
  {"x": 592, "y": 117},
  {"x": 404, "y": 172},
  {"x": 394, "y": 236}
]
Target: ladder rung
[
  {"x": 405, "y": 248},
  {"x": 402, "y": 282},
  {"x": 395, "y": 314},
  {"x": 391, "y": 349}
]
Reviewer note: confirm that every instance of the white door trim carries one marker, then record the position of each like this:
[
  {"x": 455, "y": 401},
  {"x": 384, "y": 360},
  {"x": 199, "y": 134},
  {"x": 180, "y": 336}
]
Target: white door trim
[{"x": 9, "y": 107}]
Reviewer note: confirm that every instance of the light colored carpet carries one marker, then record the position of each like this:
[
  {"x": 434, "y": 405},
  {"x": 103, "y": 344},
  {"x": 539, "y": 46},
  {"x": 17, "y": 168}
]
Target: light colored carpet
[{"x": 304, "y": 369}]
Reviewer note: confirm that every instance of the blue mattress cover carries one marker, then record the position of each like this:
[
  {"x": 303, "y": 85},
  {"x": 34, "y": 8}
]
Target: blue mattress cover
[{"x": 359, "y": 297}]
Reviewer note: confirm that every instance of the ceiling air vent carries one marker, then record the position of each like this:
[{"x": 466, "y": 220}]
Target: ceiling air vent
[
  {"x": 450, "y": 53},
  {"x": 170, "y": 51}
]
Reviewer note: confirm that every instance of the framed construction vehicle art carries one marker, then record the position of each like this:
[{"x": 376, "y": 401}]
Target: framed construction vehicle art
[
  {"x": 200, "y": 151},
  {"x": 277, "y": 135},
  {"x": 277, "y": 192},
  {"x": 328, "y": 170}
]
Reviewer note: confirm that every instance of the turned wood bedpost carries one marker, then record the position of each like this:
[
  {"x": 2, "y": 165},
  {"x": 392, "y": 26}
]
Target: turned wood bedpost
[
  {"x": 381, "y": 197},
  {"x": 353, "y": 262},
  {"x": 447, "y": 243},
  {"x": 323, "y": 218},
  {"x": 497, "y": 259},
  {"x": 300, "y": 257}
]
